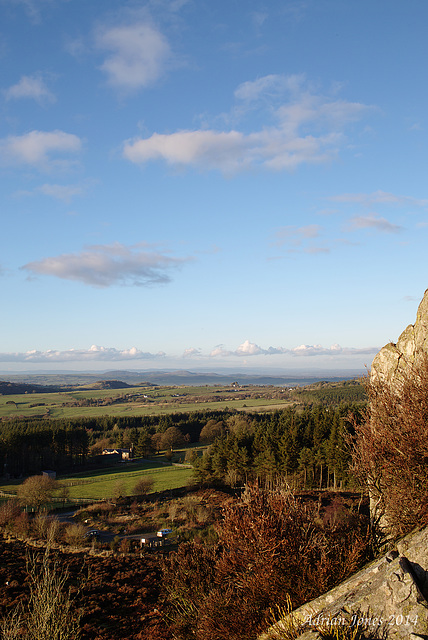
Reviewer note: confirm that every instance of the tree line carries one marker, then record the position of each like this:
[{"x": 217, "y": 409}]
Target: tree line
[{"x": 308, "y": 445}]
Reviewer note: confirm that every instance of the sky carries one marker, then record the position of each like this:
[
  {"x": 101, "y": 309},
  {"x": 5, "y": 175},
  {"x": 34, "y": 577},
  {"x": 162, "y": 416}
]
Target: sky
[{"x": 199, "y": 184}]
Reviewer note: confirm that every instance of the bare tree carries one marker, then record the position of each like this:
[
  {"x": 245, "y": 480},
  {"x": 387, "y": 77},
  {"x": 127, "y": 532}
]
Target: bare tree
[
  {"x": 36, "y": 491},
  {"x": 143, "y": 486}
]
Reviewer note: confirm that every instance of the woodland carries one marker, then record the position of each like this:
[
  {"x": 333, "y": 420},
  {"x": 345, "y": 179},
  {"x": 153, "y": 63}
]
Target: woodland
[{"x": 306, "y": 443}]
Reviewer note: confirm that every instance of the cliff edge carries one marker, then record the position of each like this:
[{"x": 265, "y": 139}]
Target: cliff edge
[{"x": 395, "y": 359}]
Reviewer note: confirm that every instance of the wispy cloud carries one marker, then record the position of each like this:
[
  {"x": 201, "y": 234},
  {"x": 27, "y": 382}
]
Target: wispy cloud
[
  {"x": 32, "y": 7},
  {"x": 266, "y": 87},
  {"x": 137, "y": 57},
  {"x": 291, "y": 233},
  {"x": 39, "y": 149},
  {"x": 379, "y": 197},
  {"x": 308, "y": 128},
  {"x": 65, "y": 192},
  {"x": 299, "y": 238},
  {"x": 108, "y": 265},
  {"x": 373, "y": 222},
  {"x": 30, "y": 87},
  {"x": 94, "y": 354},
  {"x": 248, "y": 348},
  {"x": 411, "y": 298}
]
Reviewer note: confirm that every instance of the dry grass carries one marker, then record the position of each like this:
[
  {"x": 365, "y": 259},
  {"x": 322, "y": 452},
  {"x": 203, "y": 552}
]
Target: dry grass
[{"x": 49, "y": 613}]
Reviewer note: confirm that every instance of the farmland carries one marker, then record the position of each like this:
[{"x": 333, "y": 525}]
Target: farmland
[
  {"x": 118, "y": 480},
  {"x": 140, "y": 401},
  {"x": 66, "y": 430}
]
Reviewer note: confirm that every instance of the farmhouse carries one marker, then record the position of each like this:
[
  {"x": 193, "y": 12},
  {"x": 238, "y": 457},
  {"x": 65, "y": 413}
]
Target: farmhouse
[{"x": 122, "y": 454}]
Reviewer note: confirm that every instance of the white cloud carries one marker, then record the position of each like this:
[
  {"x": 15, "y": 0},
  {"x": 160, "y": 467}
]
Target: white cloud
[
  {"x": 109, "y": 354},
  {"x": 108, "y": 265},
  {"x": 94, "y": 354},
  {"x": 139, "y": 53},
  {"x": 190, "y": 352},
  {"x": 308, "y": 128},
  {"x": 32, "y": 87},
  {"x": 248, "y": 348},
  {"x": 38, "y": 149},
  {"x": 374, "y": 222},
  {"x": 230, "y": 151},
  {"x": 211, "y": 148}
]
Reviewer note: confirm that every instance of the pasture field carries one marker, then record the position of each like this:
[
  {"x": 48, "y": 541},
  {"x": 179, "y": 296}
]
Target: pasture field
[
  {"x": 118, "y": 480},
  {"x": 139, "y": 401},
  {"x": 108, "y": 483}
]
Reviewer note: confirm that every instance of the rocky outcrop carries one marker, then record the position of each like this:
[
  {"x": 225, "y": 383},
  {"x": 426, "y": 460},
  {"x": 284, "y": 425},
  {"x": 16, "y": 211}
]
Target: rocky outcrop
[
  {"x": 395, "y": 360},
  {"x": 388, "y": 597}
]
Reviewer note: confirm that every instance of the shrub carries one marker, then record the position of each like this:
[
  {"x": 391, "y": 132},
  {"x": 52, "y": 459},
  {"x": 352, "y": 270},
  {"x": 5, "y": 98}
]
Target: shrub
[
  {"x": 143, "y": 486},
  {"x": 44, "y": 526},
  {"x": 125, "y": 545},
  {"x": 115, "y": 544},
  {"x": 9, "y": 512},
  {"x": 391, "y": 450},
  {"x": 270, "y": 547},
  {"x": 21, "y": 524},
  {"x": 75, "y": 535}
]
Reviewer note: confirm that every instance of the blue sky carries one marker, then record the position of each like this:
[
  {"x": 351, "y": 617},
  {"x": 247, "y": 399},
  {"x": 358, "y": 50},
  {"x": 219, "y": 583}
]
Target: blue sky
[{"x": 199, "y": 184}]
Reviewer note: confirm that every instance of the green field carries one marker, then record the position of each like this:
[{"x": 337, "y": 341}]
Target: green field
[
  {"x": 107, "y": 483},
  {"x": 120, "y": 479}
]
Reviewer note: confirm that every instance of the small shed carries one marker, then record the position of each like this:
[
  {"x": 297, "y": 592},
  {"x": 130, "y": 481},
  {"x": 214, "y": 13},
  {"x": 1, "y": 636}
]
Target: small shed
[{"x": 49, "y": 474}]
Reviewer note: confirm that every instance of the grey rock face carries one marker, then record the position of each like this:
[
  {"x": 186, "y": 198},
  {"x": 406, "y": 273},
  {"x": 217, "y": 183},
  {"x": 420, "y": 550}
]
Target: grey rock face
[
  {"x": 394, "y": 360},
  {"x": 388, "y": 597}
]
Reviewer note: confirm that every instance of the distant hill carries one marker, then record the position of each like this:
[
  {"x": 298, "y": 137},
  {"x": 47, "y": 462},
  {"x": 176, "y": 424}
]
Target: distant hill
[
  {"x": 14, "y": 388},
  {"x": 106, "y": 384},
  {"x": 8, "y": 388},
  {"x": 124, "y": 379},
  {"x": 183, "y": 377}
]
